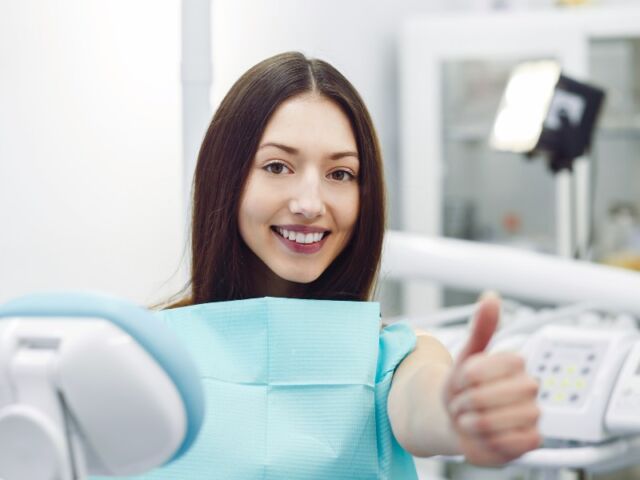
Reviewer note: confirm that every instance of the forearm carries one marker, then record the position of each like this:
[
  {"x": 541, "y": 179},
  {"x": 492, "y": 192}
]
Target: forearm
[
  {"x": 493, "y": 399},
  {"x": 418, "y": 416}
]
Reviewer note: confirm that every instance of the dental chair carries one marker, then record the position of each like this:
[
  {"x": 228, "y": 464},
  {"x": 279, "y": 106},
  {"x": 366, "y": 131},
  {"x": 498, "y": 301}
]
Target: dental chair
[{"x": 91, "y": 385}]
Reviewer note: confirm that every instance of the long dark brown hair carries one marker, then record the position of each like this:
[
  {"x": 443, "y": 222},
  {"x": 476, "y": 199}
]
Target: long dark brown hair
[{"x": 221, "y": 266}]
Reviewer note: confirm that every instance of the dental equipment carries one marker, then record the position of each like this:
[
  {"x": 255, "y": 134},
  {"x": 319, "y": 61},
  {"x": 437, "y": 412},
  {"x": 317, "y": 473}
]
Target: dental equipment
[
  {"x": 528, "y": 275},
  {"x": 589, "y": 410},
  {"x": 91, "y": 385}
]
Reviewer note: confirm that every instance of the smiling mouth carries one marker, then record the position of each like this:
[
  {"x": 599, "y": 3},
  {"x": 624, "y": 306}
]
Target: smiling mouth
[{"x": 300, "y": 237}]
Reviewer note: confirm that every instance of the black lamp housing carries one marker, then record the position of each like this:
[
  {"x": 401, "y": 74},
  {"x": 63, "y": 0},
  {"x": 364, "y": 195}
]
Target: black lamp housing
[{"x": 570, "y": 122}]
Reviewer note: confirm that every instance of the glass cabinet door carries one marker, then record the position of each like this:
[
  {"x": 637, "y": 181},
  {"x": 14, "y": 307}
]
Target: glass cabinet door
[
  {"x": 504, "y": 198},
  {"x": 615, "y": 66},
  {"x": 488, "y": 196},
  {"x": 453, "y": 71}
]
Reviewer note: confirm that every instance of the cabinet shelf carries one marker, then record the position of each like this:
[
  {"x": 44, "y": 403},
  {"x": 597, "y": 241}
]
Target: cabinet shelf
[{"x": 625, "y": 129}]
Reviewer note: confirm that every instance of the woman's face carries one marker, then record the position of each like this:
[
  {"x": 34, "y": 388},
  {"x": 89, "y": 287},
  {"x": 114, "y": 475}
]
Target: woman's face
[{"x": 300, "y": 203}]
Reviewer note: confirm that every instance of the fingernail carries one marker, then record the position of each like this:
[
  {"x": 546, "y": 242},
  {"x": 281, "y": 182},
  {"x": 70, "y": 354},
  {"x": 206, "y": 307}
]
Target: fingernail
[{"x": 489, "y": 294}]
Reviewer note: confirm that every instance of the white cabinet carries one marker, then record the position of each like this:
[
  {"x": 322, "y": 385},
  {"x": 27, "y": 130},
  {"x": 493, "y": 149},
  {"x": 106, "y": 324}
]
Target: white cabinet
[{"x": 453, "y": 69}]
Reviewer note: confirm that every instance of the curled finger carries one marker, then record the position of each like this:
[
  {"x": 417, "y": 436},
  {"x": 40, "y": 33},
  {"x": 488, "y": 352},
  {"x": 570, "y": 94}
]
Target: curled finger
[{"x": 522, "y": 415}]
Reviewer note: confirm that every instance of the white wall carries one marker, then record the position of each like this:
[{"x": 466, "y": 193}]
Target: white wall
[{"x": 90, "y": 154}]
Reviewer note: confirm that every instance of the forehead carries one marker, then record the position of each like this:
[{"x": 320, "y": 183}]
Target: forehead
[{"x": 310, "y": 121}]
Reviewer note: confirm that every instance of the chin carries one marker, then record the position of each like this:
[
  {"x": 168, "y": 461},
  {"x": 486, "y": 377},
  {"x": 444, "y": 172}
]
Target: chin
[{"x": 300, "y": 277}]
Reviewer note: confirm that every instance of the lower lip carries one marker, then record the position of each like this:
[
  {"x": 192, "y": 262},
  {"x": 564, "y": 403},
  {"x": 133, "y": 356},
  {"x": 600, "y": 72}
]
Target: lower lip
[{"x": 306, "y": 248}]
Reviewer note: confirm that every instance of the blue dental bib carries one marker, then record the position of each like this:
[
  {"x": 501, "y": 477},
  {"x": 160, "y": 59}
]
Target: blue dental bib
[{"x": 294, "y": 389}]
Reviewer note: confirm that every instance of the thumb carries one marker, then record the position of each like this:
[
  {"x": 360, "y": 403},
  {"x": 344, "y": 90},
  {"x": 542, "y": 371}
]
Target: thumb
[{"x": 484, "y": 325}]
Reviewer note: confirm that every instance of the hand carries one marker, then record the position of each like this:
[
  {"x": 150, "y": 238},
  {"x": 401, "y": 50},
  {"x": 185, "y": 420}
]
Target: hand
[{"x": 490, "y": 398}]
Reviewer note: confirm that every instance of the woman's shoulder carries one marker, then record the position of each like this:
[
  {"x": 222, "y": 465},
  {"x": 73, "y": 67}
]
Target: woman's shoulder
[
  {"x": 172, "y": 303},
  {"x": 416, "y": 331}
]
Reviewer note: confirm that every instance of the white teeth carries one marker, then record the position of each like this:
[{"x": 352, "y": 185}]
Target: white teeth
[{"x": 300, "y": 237}]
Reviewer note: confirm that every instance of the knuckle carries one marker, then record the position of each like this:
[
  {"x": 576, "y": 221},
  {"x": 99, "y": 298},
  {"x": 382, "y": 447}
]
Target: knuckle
[
  {"x": 496, "y": 443},
  {"x": 515, "y": 446},
  {"x": 470, "y": 373},
  {"x": 536, "y": 440},
  {"x": 483, "y": 425},
  {"x": 488, "y": 442},
  {"x": 474, "y": 401},
  {"x": 529, "y": 385},
  {"x": 518, "y": 362},
  {"x": 448, "y": 397},
  {"x": 529, "y": 417},
  {"x": 508, "y": 457},
  {"x": 511, "y": 450},
  {"x": 536, "y": 414},
  {"x": 464, "y": 375},
  {"x": 504, "y": 450}
]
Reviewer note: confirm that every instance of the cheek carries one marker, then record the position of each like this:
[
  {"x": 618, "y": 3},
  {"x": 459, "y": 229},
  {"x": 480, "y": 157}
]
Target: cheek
[
  {"x": 253, "y": 207},
  {"x": 348, "y": 212},
  {"x": 249, "y": 211}
]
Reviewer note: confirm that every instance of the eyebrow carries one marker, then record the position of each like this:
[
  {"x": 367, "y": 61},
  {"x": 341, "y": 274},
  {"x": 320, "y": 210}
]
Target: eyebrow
[{"x": 295, "y": 151}]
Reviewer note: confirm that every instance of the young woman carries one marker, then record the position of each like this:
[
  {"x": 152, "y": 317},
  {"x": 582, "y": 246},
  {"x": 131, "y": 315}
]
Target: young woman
[{"x": 289, "y": 202}]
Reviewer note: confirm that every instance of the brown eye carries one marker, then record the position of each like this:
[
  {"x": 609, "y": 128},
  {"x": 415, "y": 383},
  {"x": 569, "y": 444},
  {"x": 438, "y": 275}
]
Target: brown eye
[
  {"x": 341, "y": 176},
  {"x": 276, "y": 168}
]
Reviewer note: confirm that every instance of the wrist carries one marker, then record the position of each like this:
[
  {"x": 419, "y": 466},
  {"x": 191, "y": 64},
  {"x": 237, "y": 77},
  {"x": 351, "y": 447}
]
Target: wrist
[{"x": 424, "y": 425}]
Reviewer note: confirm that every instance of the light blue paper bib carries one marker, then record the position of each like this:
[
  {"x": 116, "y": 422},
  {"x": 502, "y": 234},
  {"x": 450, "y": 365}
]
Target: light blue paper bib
[{"x": 295, "y": 389}]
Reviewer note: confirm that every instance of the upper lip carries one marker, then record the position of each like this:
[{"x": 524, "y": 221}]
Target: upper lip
[{"x": 302, "y": 228}]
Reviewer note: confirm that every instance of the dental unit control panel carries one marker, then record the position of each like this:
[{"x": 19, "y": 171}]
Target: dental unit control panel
[
  {"x": 588, "y": 381},
  {"x": 623, "y": 414}
]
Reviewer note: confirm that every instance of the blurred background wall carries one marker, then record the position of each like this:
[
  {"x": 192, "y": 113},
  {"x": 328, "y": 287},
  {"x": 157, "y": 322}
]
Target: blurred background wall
[
  {"x": 90, "y": 147},
  {"x": 91, "y": 167}
]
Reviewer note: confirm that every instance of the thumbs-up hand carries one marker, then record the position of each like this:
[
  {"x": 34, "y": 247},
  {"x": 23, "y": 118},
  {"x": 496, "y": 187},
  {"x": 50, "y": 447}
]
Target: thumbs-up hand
[{"x": 490, "y": 399}]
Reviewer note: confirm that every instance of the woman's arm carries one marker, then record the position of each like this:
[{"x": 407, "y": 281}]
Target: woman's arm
[
  {"x": 418, "y": 417},
  {"x": 482, "y": 406}
]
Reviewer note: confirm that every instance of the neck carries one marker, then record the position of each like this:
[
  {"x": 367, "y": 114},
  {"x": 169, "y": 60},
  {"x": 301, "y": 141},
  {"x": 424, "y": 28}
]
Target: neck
[{"x": 267, "y": 283}]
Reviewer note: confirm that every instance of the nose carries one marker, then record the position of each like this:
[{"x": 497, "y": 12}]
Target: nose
[{"x": 307, "y": 199}]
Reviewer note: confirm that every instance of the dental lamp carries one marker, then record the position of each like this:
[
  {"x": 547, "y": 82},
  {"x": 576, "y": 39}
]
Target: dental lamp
[
  {"x": 544, "y": 111},
  {"x": 91, "y": 385}
]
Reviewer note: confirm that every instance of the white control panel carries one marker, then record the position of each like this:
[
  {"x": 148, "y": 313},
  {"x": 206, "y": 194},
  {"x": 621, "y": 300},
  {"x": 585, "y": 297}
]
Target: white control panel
[
  {"x": 566, "y": 371},
  {"x": 577, "y": 369},
  {"x": 623, "y": 414}
]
